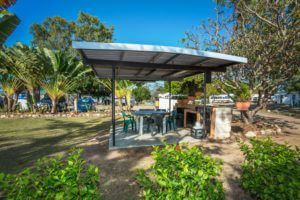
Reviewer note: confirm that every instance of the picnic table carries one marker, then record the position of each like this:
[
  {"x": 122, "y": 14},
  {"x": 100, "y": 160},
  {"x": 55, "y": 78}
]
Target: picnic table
[{"x": 143, "y": 113}]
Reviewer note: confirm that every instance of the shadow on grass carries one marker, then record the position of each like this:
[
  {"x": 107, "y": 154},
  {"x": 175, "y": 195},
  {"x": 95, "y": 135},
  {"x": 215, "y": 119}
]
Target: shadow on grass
[{"x": 14, "y": 157}]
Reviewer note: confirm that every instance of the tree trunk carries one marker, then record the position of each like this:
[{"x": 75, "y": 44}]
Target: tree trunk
[
  {"x": 32, "y": 94},
  {"x": 15, "y": 101},
  {"x": 247, "y": 116},
  {"x": 76, "y": 104},
  {"x": 9, "y": 103},
  {"x": 54, "y": 104}
]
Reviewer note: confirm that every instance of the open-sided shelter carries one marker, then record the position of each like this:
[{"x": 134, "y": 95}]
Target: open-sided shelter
[{"x": 136, "y": 62}]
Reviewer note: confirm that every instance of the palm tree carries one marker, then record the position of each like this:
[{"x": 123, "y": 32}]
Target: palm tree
[
  {"x": 123, "y": 89},
  {"x": 8, "y": 81},
  {"x": 62, "y": 75},
  {"x": 27, "y": 63},
  {"x": 8, "y": 21},
  {"x": 10, "y": 85}
]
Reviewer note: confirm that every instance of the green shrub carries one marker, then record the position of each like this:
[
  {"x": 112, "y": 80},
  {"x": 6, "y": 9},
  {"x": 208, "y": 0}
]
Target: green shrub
[
  {"x": 181, "y": 174},
  {"x": 271, "y": 170},
  {"x": 53, "y": 178},
  {"x": 242, "y": 94}
]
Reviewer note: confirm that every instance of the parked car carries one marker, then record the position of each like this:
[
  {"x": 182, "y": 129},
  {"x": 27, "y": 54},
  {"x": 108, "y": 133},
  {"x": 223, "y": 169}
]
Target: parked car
[
  {"x": 47, "y": 103},
  {"x": 85, "y": 104}
]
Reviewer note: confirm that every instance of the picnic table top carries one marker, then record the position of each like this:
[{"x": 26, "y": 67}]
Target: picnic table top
[{"x": 150, "y": 112}]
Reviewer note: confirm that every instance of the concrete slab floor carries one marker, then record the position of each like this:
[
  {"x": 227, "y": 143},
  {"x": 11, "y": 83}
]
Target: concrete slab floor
[{"x": 132, "y": 139}]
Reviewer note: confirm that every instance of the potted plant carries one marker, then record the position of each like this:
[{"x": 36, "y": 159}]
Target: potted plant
[
  {"x": 182, "y": 100},
  {"x": 242, "y": 97},
  {"x": 198, "y": 92},
  {"x": 191, "y": 87}
]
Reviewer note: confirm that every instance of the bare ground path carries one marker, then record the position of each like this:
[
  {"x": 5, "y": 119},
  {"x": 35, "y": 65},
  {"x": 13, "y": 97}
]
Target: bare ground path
[{"x": 289, "y": 125}]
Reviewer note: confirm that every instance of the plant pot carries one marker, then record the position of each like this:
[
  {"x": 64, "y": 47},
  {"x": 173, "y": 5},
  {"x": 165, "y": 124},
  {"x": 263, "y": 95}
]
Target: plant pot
[
  {"x": 191, "y": 98},
  {"x": 242, "y": 105}
]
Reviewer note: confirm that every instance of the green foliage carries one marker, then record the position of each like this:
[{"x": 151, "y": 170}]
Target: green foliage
[
  {"x": 184, "y": 173},
  {"x": 242, "y": 94},
  {"x": 90, "y": 85},
  {"x": 26, "y": 64},
  {"x": 53, "y": 178},
  {"x": 57, "y": 33},
  {"x": 8, "y": 21},
  {"x": 271, "y": 170},
  {"x": 62, "y": 75},
  {"x": 293, "y": 85},
  {"x": 189, "y": 86},
  {"x": 141, "y": 93}
]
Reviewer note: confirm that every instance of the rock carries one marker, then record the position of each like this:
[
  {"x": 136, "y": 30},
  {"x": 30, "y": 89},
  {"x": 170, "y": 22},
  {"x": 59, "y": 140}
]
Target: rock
[
  {"x": 263, "y": 132},
  {"x": 278, "y": 131},
  {"x": 269, "y": 110},
  {"x": 3, "y": 116},
  {"x": 250, "y": 134},
  {"x": 269, "y": 132}
]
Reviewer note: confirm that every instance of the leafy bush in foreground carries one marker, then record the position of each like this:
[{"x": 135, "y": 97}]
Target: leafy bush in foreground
[
  {"x": 181, "y": 173},
  {"x": 53, "y": 178},
  {"x": 271, "y": 170}
]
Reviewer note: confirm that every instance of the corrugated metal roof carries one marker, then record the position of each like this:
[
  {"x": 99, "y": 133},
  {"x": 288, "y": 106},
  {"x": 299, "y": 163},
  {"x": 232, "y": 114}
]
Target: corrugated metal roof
[{"x": 149, "y": 62}]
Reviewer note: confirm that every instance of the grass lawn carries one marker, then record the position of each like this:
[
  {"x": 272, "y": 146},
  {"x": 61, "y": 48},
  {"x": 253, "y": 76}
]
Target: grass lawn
[{"x": 23, "y": 141}]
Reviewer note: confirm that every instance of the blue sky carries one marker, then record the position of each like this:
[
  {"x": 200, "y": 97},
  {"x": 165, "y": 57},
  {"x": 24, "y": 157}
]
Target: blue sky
[{"x": 158, "y": 22}]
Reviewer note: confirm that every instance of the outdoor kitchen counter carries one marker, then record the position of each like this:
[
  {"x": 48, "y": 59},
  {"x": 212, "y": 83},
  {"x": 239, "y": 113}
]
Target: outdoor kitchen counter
[
  {"x": 195, "y": 109},
  {"x": 220, "y": 118}
]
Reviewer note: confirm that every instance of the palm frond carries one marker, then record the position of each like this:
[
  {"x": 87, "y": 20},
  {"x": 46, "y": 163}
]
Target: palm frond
[
  {"x": 10, "y": 84},
  {"x": 4, "y": 4},
  {"x": 8, "y": 23}
]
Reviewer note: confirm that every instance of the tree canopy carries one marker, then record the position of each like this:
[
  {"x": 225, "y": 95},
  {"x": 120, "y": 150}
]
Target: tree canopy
[
  {"x": 266, "y": 32},
  {"x": 57, "y": 33},
  {"x": 141, "y": 93}
]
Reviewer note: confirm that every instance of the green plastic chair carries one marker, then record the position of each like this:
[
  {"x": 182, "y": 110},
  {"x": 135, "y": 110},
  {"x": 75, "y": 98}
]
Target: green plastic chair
[
  {"x": 171, "y": 121},
  {"x": 127, "y": 120}
]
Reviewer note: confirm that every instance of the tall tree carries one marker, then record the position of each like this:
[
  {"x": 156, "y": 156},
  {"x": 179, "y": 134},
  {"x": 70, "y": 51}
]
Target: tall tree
[
  {"x": 63, "y": 74},
  {"x": 26, "y": 64},
  {"x": 10, "y": 85},
  {"x": 57, "y": 33},
  {"x": 8, "y": 21},
  {"x": 141, "y": 93},
  {"x": 89, "y": 28},
  {"x": 54, "y": 33},
  {"x": 123, "y": 89},
  {"x": 267, "y": 33}
]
